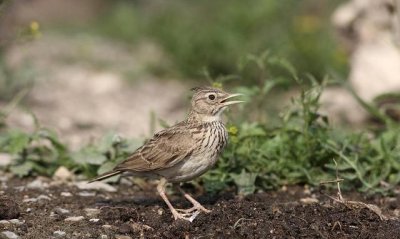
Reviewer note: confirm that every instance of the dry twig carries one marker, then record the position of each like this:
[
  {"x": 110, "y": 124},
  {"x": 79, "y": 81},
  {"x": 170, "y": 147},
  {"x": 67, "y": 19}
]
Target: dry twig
[{"x": 351, "y": 204}]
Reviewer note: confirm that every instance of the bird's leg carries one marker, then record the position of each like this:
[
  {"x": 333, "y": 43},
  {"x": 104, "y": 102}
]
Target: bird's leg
[
  {"x": 175, "y": 213},
  {"x": 196, "y": 205}
]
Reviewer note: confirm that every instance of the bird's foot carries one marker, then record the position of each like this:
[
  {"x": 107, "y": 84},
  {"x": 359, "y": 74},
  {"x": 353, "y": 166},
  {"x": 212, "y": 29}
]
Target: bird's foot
[
  {"x": 185, "y": 215},
  {"x": 196, "y": 207}
]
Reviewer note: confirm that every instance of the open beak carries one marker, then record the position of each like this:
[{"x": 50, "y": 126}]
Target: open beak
[{"x": 224, "y": 101}]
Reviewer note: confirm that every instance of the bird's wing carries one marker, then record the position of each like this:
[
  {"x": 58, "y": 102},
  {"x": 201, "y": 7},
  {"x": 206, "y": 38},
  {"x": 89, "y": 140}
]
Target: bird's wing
[{"x": 164, "y": 150}]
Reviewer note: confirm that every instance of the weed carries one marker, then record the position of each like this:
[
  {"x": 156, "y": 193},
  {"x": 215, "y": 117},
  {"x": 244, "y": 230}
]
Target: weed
[{"x": 260, "y": 156}]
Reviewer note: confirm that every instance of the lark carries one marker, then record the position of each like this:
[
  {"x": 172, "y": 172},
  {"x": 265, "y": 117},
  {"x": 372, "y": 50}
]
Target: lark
[{"x": 184, "y": 151}]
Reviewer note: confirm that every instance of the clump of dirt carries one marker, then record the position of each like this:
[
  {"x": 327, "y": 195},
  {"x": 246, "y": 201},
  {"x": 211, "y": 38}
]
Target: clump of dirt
[
  {"x": 294, "y": 213},
  {"x": 9, "y": 209}
]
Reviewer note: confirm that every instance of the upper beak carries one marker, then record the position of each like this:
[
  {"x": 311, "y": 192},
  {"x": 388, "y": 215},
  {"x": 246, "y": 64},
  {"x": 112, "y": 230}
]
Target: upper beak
[{"x": 224, "y": 101}]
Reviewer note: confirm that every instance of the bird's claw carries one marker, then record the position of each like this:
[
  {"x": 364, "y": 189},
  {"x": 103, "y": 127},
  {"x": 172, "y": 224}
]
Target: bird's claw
[
  {"x": 188, "y": 216},
  {"x": 195, "y": 208}
]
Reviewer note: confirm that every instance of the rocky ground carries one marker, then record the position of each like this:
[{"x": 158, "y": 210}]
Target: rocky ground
[{"x": 44, "y": 208}]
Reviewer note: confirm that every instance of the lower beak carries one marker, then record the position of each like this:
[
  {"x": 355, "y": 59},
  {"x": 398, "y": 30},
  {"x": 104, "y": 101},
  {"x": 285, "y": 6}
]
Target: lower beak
[{"x": 224, "y": 102}]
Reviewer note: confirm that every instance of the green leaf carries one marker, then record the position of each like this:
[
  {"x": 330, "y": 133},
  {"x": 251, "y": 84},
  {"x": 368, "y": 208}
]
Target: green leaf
[
  {"x": 245, "y": 182},
  {"x": 89, "y": 156},
  {"x": 23, "y": 169}
]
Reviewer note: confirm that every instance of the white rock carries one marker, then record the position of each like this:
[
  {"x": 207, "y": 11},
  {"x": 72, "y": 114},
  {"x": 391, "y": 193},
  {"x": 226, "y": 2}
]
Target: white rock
[
  {"x": 106, "y": 226},
  {"x": 309, "y": 200},
  {"x": 100, "y": 186},
  {"x": 94, "y": 220},
  {"x": 37, "y": 184},
  {"x": 4, "y": 222},
  {"x": 74, "y": 219},
  {"x": 61, "y": 211},
  {"x": 66, "y": 194},
  {"x": 92, "y": 212},
  {"x": 122, "y": 237},
  {"x": 103, "y": 236},
  {"x": 87, "y": 194},
  {"x": 43, "y": 197},
  {"x": 10, "y": 235},
  {"x": 63, "y": 174},
  {"x": 29, "y": 200},
  {"x": 29, "y": 209},
  {"x": 16, "y": 222},
  {"x": 59, "y": 233},
  {"x": 5, "y": 159}
]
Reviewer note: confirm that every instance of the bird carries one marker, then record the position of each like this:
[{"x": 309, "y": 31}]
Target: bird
[{"x": 183, "y": 151}]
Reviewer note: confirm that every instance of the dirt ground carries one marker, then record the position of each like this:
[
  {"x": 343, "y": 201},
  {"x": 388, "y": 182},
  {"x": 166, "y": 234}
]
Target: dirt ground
[{"x": 130, "y": 212}]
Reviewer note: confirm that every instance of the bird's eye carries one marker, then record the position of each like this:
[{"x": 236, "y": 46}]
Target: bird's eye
[{"x": 211, "y": 97}]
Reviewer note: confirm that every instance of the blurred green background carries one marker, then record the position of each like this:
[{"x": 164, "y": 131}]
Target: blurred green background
[{"x": 207, "y": 36}]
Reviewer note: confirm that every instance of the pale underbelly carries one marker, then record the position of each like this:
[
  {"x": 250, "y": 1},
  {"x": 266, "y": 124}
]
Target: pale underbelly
[{"x": 189, "y": 169}]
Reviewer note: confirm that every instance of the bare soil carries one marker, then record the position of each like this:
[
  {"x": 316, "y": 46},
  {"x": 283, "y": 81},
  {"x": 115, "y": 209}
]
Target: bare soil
[{"x": 139, "y": 213}]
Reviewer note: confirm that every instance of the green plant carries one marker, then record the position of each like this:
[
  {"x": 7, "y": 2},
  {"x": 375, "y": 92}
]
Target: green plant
[{"x": 300, "y": 148}]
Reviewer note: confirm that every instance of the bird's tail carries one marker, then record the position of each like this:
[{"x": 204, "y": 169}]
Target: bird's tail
[{"x": 105, "y": 175}]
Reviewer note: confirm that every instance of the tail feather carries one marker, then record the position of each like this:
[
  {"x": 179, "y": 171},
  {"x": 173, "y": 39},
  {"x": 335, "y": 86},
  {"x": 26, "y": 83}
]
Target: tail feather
[{"x": 105, "y": 175}]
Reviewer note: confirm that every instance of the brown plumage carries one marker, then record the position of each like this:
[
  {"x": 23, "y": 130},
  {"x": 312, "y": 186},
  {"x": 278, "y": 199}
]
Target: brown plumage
[{"x": 185, "y": 150}]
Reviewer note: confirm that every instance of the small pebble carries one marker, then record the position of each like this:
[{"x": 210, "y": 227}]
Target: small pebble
[
  {"x": 37, "y": 184},
  {"x": 103, "y": 236},
  {"x": 309, "y": 200},
  {"x": 100, "y": 186},
  {"x": 59, "y": 233},
  {"x": 92, "y": 212},
  {"x": 94, "y": 220},
  {"x": 5, "y": 159},
  {"x": 106, "y": 226},
  {"x": 61, "y": 211},
  {"x": 160, "y": 211},
  {"x": 74, "y": 219},
  {"x": 41, "y": 197},
  {"x": 66, "y": 194},
  {"x": 63, "y": 174},
  {"x": 16, "y": 222},
  {"x": 87, "y": 194},
  {"x": 122, "y": 237},
  {"x": 10, "y": 235}
]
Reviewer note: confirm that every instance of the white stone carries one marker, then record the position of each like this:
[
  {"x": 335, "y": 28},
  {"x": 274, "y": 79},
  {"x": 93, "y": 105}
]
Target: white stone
[
  {"x": 92, "y": 212},
  {"x": 10, "y": 235},
  {"x": 94, "y": 220},
  {"x": 87, "y": 194},
  {"x": 5, "y": 159},
  {"x": 309, "y": 200},
  {"x": 66, "y": 194},
  {"x": 4, "y": 222},
  {"x": 122, "y": 237},
  {"x": 100, "y": 186},
  {"x": 16, "y": 222},
  {"x": 59, "y": 233},
  {"x": 61, "y": 211},
  {"x": 63, "y": 174},
  {"x": 74, "y": 219},
  {"x": 37, "y": 184},
  {"x": 43, "y": 197}
]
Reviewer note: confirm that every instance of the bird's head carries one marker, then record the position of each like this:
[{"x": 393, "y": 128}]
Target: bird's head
[{"x": 208, "y": 103}]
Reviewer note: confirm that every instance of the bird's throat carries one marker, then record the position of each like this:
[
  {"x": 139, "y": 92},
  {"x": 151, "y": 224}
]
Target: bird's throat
[{"x": 203, "y": 118}]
